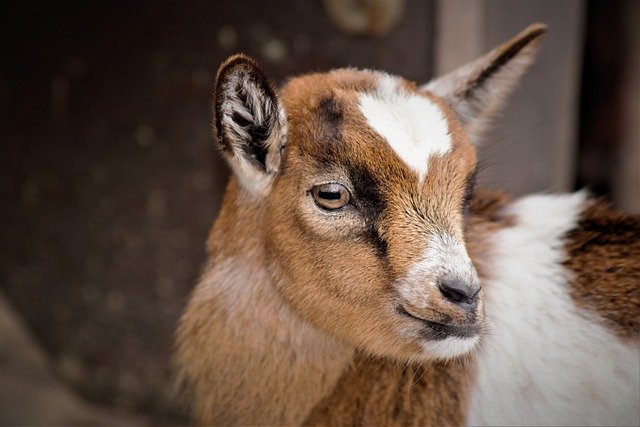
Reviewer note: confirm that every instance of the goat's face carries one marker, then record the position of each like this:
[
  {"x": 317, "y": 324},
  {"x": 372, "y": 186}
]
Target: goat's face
[
  {"x": 367, "y": 215},
  {"x": 363, "y": 180}
]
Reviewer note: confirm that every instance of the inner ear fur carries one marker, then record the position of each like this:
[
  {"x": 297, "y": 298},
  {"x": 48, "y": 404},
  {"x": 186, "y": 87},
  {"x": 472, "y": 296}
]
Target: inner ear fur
[
  {"x": 476, "y": 91},
  {"x": 249, "y": 121}
]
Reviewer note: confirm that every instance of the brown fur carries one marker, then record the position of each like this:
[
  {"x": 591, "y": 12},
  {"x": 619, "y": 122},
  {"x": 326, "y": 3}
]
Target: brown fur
[
  {"x": 232, "y": 342},
  {"x": 603, "y": 251},
  {"x": 379, "y": 392},
  {"x": 402, "y": 215},
  {"x": 270, "y": 332}
]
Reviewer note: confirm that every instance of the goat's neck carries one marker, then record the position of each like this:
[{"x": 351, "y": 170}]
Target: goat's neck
[{"x": 266, "y": 365}]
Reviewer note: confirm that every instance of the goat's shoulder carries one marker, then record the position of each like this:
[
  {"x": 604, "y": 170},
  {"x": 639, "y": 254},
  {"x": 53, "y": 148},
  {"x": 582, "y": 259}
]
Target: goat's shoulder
[
  {"x": 562, "y": 288},
  {"x": 596, "y": 246}
]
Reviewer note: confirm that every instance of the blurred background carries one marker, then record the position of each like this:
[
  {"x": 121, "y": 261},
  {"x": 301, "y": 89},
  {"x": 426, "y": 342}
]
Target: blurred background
[{"x": 110, "y": 182}]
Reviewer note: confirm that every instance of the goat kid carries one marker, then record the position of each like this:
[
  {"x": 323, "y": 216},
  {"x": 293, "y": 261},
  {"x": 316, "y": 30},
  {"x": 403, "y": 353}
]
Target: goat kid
[{"x": 355, "y": 277}]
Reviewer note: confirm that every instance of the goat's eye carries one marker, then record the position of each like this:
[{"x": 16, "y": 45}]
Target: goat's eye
[{"x": 331, "y": 196}]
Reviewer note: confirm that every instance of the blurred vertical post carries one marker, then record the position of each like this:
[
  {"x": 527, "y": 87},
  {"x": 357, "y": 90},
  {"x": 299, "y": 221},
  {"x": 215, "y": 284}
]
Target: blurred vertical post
[
  {"x": 626, "y": 181},
  {"x": 532, "y": 147}
]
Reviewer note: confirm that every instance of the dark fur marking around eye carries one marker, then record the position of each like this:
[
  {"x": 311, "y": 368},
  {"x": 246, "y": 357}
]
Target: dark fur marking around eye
[
  {"x": 370, "y": 203},
  {"x": 378, "y": 242},
  {"x": 369, "y": 198}
]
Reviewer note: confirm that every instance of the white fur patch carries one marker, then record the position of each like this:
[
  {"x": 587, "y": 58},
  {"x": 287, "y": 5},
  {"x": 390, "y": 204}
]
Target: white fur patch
[
  {"x": 444, "y": 257},
  {"x": 451, "y": 347},
  {"x": 546, "y": 361},
  {"x": 414, "y": 127}
]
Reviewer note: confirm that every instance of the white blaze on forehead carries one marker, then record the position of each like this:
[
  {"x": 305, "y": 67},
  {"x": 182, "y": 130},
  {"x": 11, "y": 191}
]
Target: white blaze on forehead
[{"x": 414, "y": 126}]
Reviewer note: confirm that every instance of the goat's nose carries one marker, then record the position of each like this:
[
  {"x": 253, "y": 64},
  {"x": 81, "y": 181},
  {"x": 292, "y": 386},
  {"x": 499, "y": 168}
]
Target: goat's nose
[{"x": 463, "y": 295}]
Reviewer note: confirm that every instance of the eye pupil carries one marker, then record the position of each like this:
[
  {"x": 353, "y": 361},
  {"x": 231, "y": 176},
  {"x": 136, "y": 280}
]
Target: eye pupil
[{"x": 331, "y": 196}]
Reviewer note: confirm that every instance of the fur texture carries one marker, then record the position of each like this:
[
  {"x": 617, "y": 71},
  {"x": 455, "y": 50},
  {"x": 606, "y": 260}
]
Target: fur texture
[
  {"x": 405, "y": 120},
  {"x": 414, "y": 301},
  {"x": 575, "y": 372},
  {"x": 603, "y": 252}
]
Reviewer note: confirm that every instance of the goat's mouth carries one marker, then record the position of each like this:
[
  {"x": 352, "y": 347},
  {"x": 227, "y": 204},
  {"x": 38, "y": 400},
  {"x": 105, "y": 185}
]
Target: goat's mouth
[{"x": 439, "y": 331}]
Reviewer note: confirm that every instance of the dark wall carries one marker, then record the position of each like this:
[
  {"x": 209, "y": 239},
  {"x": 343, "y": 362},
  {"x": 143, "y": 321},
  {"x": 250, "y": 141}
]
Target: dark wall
[
  {"x": 603, "y": 89},
  {"x": 109, "y": 180}
]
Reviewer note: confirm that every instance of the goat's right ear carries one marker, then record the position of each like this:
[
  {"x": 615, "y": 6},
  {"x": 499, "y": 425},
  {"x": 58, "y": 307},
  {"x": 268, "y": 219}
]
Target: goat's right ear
[{"x": 249, "y": 122}]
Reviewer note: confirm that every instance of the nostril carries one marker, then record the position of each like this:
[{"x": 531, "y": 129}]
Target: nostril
[
  {"x": 452, "y": 294},
  {"x": 464, "y": 296}
]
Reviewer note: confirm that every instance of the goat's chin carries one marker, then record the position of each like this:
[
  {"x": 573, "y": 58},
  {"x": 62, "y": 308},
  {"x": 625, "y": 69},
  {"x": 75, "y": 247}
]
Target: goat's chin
[
  {"x": 434, "y": 336},
  {"x": 451, "y": 347},
  {"x": 427, "y": 351},
  {"x": 425, "y": 342}
]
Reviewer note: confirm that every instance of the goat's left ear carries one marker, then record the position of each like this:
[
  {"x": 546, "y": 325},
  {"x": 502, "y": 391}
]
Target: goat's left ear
[
  {"x": 477, "y": 90},
  {"x": 249, "y": 122}
]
